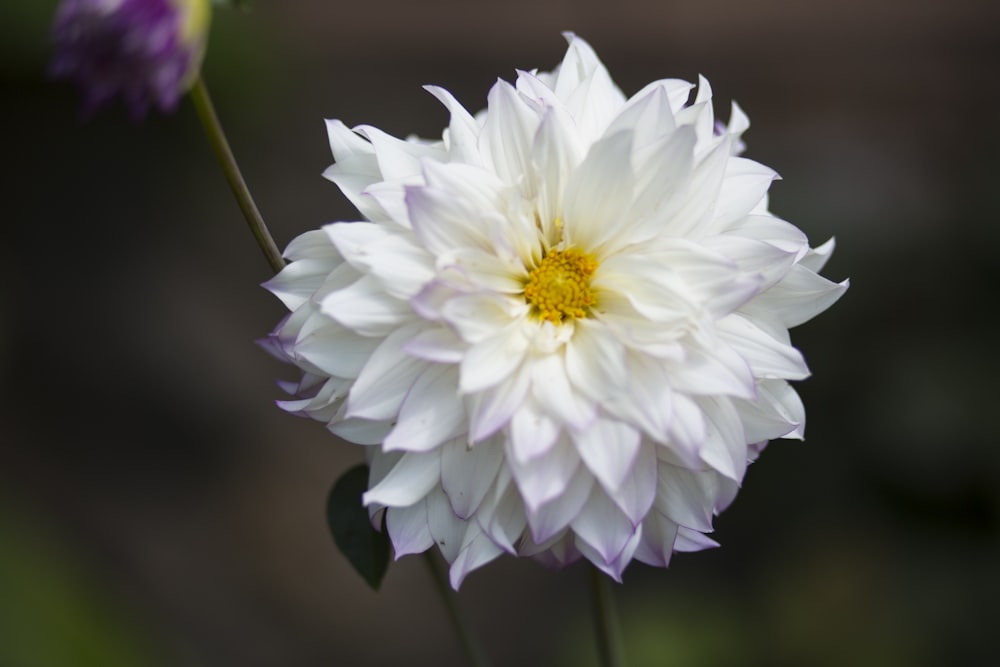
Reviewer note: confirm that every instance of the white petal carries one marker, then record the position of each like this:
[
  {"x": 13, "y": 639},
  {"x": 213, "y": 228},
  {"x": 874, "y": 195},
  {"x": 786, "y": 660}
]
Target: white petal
[
  {"x": 477, "y": 550},
  {"x": 777, "y": 232},
  {"x": 711, "y": 279},
  {"x": 557, "y": 553},
  {"x": 648, "y": 114},
  {"x": 599, "y": 191},
  {"x": 603, "y": 526},
  {"x": 507, "y": 136},
  {"x": 443, "y": 221},
  {"x": 713, "y": 369},
  {"x": 577, "y": 65},
  {"x": 345, "y": 143},
  {"x": 595, "y": 360},
  {"x": 479, "y": 189},
  {"x": 692, "y": 540},
  {"x": 799, "y": 297},
  {"x": 386, "y": 378},
  {"x": 686, "y": 496},
  {"x": 429, "y": 302},
  {"x": 356, "y": 166},
  {"x": 476, "y": 317},
  {"x": 532, "y": 432},
  {"x": 636, "y": 332},
  {"x": 725, "y": 445},
  {"x": 586, "y": 87},
  {"x": 814, "y": 260},
  {"x": 298, "y": 281},
  {"x": 351, "y": 176},
  {"x": 650, "y": 402},
  {"x": 502, "y": 515},
  {"x": 664, "y": 169},
  {"x": 608, "y": 448},
  {"x": 754, "y": 257},
  {"x": 336, "y": 351},
  {"x": 315, "y": 244},
  {"x": 365, "y": 308},
  {"x": 678, "y": 91},
  {"x": 743, "y": 187},
  {"x": 437, "y": 345},
  {"x": 491, "y": 361},
  {"x": 492, "y": 409},
  {"x": 547, "y": 476},
  {"x": 318, "y": 407},
  {"x": 400, "y": 266},
  {"x": 785, "y": 400},
  {"x": 431, "y": 413},
  {"x": 655, "y": 292},
  {"x": 446, "y": 528},
  {"x": 485, "y": 270},
  {"x": 408, "y": 529},
  {"x": 692, "y": 218},
  {"x": 463, "y": 130},
  {"x": 555, "y": 515},
  {"x": 408, "y": 482},
  {"x": 360, "y": 431},
  {"x": 390, "y": 196},
  {"x": 616, "y": 566},
  {"x": 397, "y": 158},
  {"x": 768, "y": 358},
  {"x": 738, "y": 121},
  {"x": 657, "y": 544},
  {"x": 349, "y": 238},
  {"x": 552, "y": 390},
  {"x": 635, "y": 494},
  {"x": 687, "y": 430},
  {"x": 555, "y": 152},
  {"x": 468, "y": 473},
  {"x": 777, "y": 413},
  {"x": 532, "y": 87}
]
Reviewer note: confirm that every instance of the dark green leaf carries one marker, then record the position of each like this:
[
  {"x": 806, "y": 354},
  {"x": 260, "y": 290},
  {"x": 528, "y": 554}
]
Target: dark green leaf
[{"x": 365, "y": 548}]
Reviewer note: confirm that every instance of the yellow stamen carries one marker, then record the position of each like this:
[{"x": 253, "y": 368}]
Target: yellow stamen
[{"x": 559, "y": 287}]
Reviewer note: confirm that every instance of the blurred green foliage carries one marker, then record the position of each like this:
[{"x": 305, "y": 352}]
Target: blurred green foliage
[{"x": 52, "y": 613}]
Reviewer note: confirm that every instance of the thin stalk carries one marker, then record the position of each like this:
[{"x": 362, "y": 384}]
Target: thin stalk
[
  {"x": 217, "y": 137},
  {"x": 609, "y": 636},
  {"x": 473, "y": 650}
]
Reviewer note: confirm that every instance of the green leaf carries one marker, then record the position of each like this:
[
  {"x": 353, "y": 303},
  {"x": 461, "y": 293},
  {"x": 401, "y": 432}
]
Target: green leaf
[{"x": 366, "y": 548}]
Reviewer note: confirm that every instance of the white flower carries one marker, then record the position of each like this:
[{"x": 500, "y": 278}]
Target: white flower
[{"x": 562, "y": 330}]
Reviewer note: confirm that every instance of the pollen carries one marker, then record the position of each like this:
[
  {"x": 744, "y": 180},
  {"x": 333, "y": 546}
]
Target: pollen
[{"x": 559, "y": 287}]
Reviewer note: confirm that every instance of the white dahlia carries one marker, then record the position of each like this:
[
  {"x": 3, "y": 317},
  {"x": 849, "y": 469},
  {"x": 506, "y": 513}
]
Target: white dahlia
[{"x": 561, "y": 330}]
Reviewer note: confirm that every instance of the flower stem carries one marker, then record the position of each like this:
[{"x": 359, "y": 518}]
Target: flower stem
[
  {"x": 609, "y": 636},
  {"x": 217, "y": 137},
  {"x": 473, "y": 650}
]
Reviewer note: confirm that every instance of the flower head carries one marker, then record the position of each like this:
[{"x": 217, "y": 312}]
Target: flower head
[
  {"x": 560, "y": 331},
  {"x": 147, "y": 51}
]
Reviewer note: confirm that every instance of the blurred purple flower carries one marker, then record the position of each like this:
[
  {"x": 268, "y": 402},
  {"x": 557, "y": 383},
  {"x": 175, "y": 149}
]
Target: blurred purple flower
[{"x": 147, "y": 51}]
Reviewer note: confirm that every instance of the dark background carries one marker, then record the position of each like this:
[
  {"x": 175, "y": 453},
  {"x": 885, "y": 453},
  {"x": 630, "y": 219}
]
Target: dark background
[{"x": 157, "y": 509}]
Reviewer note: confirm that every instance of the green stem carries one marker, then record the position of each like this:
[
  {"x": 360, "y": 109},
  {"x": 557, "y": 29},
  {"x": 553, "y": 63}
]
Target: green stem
[
  {"x": 609, "y": 636},
  {"x": 217, "y": 137},
  {"x": 473, "y": 651}
]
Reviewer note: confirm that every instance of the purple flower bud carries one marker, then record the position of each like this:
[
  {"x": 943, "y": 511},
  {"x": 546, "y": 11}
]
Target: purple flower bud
[{"x": 147, "y": 51}]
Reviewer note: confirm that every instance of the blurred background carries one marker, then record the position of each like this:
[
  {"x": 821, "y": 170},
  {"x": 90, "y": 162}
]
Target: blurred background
[{"x": 156, "y": 508}]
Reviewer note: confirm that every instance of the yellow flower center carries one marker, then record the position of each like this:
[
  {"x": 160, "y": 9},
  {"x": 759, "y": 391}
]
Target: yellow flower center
[{"x": 559, "y": 287}]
